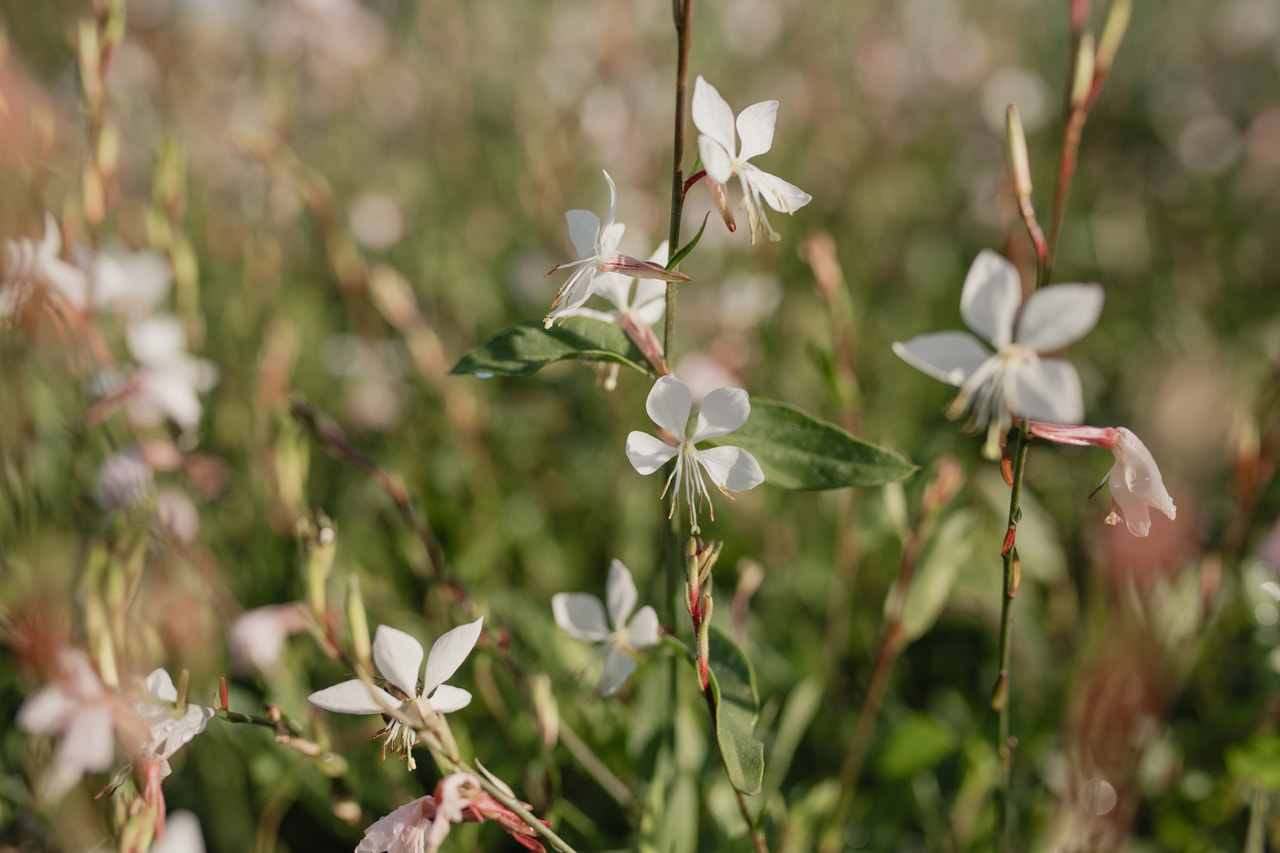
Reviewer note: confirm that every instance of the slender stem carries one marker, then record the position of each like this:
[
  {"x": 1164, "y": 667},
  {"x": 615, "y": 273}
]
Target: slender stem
[
  {"x": 681, "y": 11},
  {"x": 1009, "y": 588},
  {"x": 1066, "y": 172}
]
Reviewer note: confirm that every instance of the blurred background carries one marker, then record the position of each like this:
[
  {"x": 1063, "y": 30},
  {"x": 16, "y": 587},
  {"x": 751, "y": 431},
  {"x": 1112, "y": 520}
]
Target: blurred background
[{"x": 351, "y": 195}]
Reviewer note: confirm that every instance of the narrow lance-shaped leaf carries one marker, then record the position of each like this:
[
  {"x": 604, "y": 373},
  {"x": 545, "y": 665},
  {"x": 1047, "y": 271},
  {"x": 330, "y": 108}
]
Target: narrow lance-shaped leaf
[
  {"x": 801, "y": 453},
  {"x": 733, "y": 690},
  {"x": 688, "y": 247},
  {"x": 527, "y": 348}
]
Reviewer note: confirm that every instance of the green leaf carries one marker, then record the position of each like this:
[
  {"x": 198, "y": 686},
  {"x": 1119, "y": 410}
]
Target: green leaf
[
  {"x": 950, "y": 547},
  {"x": 1258, "y": 761},
  {"x": 527, "y": 348},
  {"x": 802, "y": 453},
  {"x": 733, "y": 689},
  {"x": 916, "y": 744},
  {"x": 688, "y": 247}
]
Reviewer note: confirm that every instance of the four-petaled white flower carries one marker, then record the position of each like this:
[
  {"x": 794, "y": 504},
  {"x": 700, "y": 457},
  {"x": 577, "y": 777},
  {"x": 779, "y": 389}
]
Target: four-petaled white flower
[
  {"x": 1136, "y": 485},
  {"x": 646, "y": 303},
  {"x": 169, "y": 380},
  {"x": 582, "y": 616},
  {"x": 1015, "y": 380},
  {"x": 717, "y": 145},
  {"x": 170, "y": 728},
  {"x": 34, "y": 269},
  {"x": 398, "y": 657},
  {"x": 597, "y": 248},
  {"x": 731, "y": 469}
]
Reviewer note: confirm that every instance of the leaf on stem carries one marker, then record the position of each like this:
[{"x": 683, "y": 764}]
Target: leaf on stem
[
  {"x": 527, "y": 348},
  {"x": 688, "y": 247},
  {"x": 733, "y": 691},
  {"x": 801, "y": 453}
]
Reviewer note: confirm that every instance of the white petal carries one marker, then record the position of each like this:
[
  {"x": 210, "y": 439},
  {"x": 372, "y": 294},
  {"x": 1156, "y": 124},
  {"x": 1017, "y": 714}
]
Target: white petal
[
  {"x": 723, "y": 410},
  {"x": 715, "y": 159},
  {"x": 755, "y": 128},
  {"x": 1045, "y": 390},
  {"x": 777, "y": 193},
  {"x": 169, "y": 395},
  {"x": 1136, "y": 484},
  {"x": 731, "y": 468},
  {"x": 668, "y": 405},
  {"x": 643, "y": 630},
  {"x": 613, "y": 204},
  {"x": 647, "y": 453},
  {"x": 448, "y": 699},
  {"x": 584, "y": 230},
  {"x": 353, "y": 697},
  {"x": 398, "y": 657},
  {"x": 618, "y": 666},
  {"x": 448, "y": 653},
  {"x": 610, "y": 237},
  {"x": 949, "y": 357},
  {"x": 713, "y": 117},
  {"x": 161, "y": 686},
  {"x": 991, "y": 297},
  {"x": 383, "y": 832},
  {"x": 182, "y": 834},
  {"x": 46, "y": 711},
  {"x": 615, "y": 287},
  {"x": 155, "y": 340},
  {"x": 89, "y": 741},
  {"x": 1059, "y": 315},
  {"x": 620, "y": 593},
  {"x": 51, "y": 243},
  {"x": 580, "y": 615}
]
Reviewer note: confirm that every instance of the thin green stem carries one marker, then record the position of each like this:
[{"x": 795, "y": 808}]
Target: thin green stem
[
  {"x": 1012, "y": 577},
  {"x": 681, "y": 11}
]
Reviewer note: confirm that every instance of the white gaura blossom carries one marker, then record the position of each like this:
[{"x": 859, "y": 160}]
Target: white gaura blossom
[
  {"x": 731, "y": 469},
  {"x": 646, "y": 302},
  {"x": 597, "y": 246},
  {"x": 1135, "y": 481},
  {"x": 1014, "y": 381},
  {"x": 721, "y": 157},
  {"x": 34, "y": 269},
  {"x": 398, "y": 657},
  {"x": 582, "y": 616},
  {"x": 170, "y": 728},
  {"x": 182, "y": 834},
  {"x": 169, "y": 380}
]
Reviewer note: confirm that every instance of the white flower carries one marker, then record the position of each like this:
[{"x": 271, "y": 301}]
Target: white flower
[
  {"x": 646, "y": 303},
  {"x": 170, "y": 728},
  {"x": 128, "y": 283},
  {"x": 1015, "y": 380},
  {"x": 422, "y": 825},
  {"x": 1136, "y": 485},
  {"x": 731, "y": 469},
  {"x": 597, "y": 248},
  {"x": 181, "y": 835},
  {"x": 582, "y": 616},
  {"x": 713, "y": 116},
  {"x": 398, "y": 657},
  {"x": 169, "y": 380},
  {"x": 34, "y": 269},
  {"x": 257, "y": 636},
  {"x": 79, "y": 708}
]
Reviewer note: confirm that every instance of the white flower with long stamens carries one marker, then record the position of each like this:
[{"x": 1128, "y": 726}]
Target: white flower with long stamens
[
  {"x": 398, "y": 657},
  {"x": 1014, "y": 381},
  {"x": 597, "y": 248},
  {"x": 582, "y": 616},
  {"x": 34, "y": 269},
  {"x": 171, "y": 728},
  {"x": 721, "y": 157},
  {"x": 1134, "y": 479},
  {"x": 731, "y": 469},
  {"x": 647, "y": 302}
]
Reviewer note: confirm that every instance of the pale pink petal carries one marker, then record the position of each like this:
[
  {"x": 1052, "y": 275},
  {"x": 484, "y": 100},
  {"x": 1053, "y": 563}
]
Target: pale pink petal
[
  {"x": 398, "y": 657},
  {"x": 755, "y": 128},
  {"x": 668, "y": 405},
  {"x": 1136, "y": 484},
  {"x": 89, "y": 740},
  {"x": 1059, "y": 315},
  {"x": 449, "y": 652},
  {"x": 383, "y": 832},
  {"x": 950, "y": 357},
  {"x": 723, "y": 411},
  {"x": 581, "y": 616},
  {"x": 730, "y": 468},
  {"x": 46, "y": 711},
  {"x": 991, "y": 297},
  {"x": 620, "y": 593},
  {"x": 647, "y": 453}
]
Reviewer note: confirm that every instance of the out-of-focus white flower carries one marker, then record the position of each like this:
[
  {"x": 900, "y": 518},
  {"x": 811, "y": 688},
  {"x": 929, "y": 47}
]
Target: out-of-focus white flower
[
  {"x": 257, "y": 636},
  {"x": 1135, "y": 481},
  {"x": 182, "y": 834},
  {"x": 721, "y": 157},
  {"x": 597, "y": 246},
  {"x": 582, "y": 616},
  {"x": 731, "y": 469},
  {"x": 170, "y": 728},
  {"x": 34, "y": 269},
  {"x": 128, "y": 283},
  {"x": 646, "y": 303},
  {"x": 398, "y": 657},
  {"x": 1136, "y": 485},
  {"x": 169, "y": 380},
  {"x": 80, "y": 709},
  {"x": 1014, "y": 381}
]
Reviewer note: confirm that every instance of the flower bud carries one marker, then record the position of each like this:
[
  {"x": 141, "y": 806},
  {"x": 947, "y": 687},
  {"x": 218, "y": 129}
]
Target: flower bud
[
  {"x": 1082, "y": 83},
  {"x": 358, "y": 622},
  {"x": 1112, "y": 34},
  {"x": 1016, "y": 152}
]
